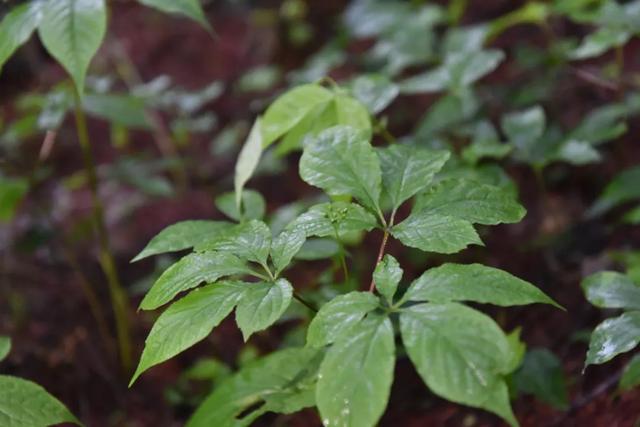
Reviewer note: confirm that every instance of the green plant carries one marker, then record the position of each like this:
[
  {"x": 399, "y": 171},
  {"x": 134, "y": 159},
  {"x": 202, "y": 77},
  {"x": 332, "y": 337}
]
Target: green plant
[
  {"x": 622, "y": 189},
  {"x": 346, "y": 367},
  {"x": 25, "y": 404}
]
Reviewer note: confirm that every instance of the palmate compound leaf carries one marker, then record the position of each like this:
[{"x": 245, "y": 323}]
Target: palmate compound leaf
[
  {"x": 333, "y": 219},
  {"x": 341, "y": 161},
  {"x": 17, "y": 26},
  {"x": 408, "y": 170},
  {"x": 188, "y": 273},
  {"x": 283, "y": 382},
  {"x": 26, "y": 404},
  {"x": 183, "y": 235},
  {"x": 189, "y": 321},
  {"x": 72, "y": 31},
  {"x": 261, "y": 305},
  {"x": 356, "y": 374},
  {"x": 188, "y": 8},
  {"x": 461, "y": 354},
  {"x": 474, "y": 282},
  {"x": 610, "y": 289},
  {"x": 387, "y": 276},
  {"x": 339, "y": 314},
  {"x": 614, "y": 336}
]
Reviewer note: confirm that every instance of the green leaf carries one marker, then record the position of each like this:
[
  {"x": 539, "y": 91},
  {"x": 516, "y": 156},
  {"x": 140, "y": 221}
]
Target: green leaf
[
  {"x": 622, "y": 188},
  {"x": 12, "y": 191},
  {"x": 342, "y": 161},
  {"x": 188, "y": 8},
  {"x": 261, "y": 305},
  {"x": 577, "y": 153},
  {"x": 609, "y": 289},
  {"x": 253, "y": 205},
  {"x": 72, "y": 31},
  {"x": 631, "y": 375},
  {"x": 375, "y": 91},
  {"x": 250, "y": 240},
  {"x": 5, "y": 347},
  {"x": 334, "y": 220},
  {"x": 485, "y": 144},
  {"x": 26, "y": 404},
  {"x": 518, "y": 350},
  {"x": 471, "y": 201},
  {"x": 283, "y": 382},
  {"x": 460, "y": 353},
  {"x": 541, "y": 375},
  {"x": 285, "y": 247},
  {"x": 248, "y": 160},
  {"x": 189, "y": 321},
  {"x": 316, "y": 249},
  {"x": 474, "y": 282},
  {"x": 386, "y": 276},
  {"x": 460, "y": 69},
  {"x": 633, "y": 216},
  {"x": 339, "y": 314},
  {"x": 436, "y": 233},
  {"x": 124, "y": 110},
  {"x": 356, "y": 375},
  {"x": 612, "y": 337},
  {"x": 446, "y": 113},
  {"x": 188, "y": 273},
  {"x": 17, "y": 26},
  {"x": 182, "y": 235},
  {"x": 524, "y": 128},
  {"x": 599, "y": 42},
  {"x": 291, "y": 108},
  {"x": 408, "y": 170}
]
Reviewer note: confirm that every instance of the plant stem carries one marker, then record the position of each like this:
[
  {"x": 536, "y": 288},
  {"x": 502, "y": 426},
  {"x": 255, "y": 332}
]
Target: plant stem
[
  {"x": 304, "y": 302},
  {"x": 383, "y": 245},
  {"x": 116, "y": 291}
]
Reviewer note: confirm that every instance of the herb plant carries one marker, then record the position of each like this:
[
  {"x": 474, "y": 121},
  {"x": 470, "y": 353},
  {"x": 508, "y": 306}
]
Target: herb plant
[{"x": 346, "y": 367}]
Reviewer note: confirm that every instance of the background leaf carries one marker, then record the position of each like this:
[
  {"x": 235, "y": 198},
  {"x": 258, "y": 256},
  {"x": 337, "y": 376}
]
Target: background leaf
[
  {"x": 248, "y": 160},
  {"x": 5, "y": 347},
  {"x": 541, "y": 375},
  {"x": 609, "y": 289},
  {"x": 188, "y": 8},
  {"x": 614, "y": 336}
]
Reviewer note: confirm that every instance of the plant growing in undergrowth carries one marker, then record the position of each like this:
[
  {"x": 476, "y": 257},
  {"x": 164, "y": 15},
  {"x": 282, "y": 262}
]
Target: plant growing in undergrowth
[
  {"x": 616, "y": 335},
  {"x": 346, "y": 368},
  {"x": 25, "y": 403}
]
